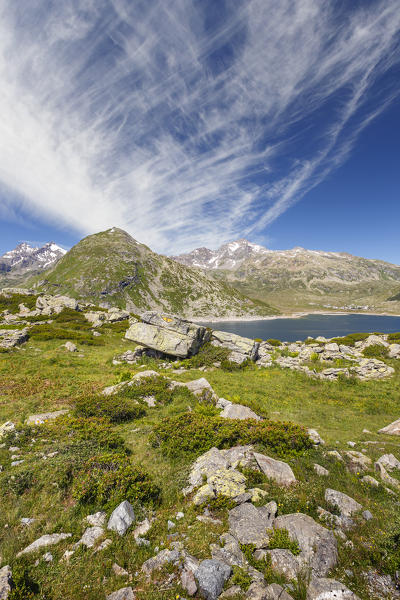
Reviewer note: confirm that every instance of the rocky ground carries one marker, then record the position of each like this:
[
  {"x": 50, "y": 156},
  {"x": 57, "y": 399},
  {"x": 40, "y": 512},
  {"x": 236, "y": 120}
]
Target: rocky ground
[{"x": 211, "y": 466}]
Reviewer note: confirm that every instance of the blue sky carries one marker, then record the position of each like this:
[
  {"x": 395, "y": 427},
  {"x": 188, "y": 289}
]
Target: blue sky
[{"x": 194, "y": 122}]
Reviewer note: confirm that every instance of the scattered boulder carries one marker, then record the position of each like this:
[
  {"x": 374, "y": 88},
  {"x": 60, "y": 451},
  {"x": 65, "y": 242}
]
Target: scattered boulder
[
  {"x": 230, "y": 552},
  {"x": 237, "y": 344},
  {"x": 357, "y": 461},
  {"x": 158, "y": 561},
  {"x": 370, "y": 480},
  {"x": 98, "y": 519},
  {"x": 345, "y": 504},
  {"x": 49, "y": 305},
  {"x": 125, "y": 593},
  {"x": 188, "y": 582},
  {"x": 5, "y": 582},
  {"x": 211, "y": 577},
  {"x": 238, "y": 411},
  {"x": 329, "y": 589},
  {"x": 121, "y": 518},
  {"x": 9, "y": 338},
  {"x": 277, "y": 470},
  {"x": 320, "y": 470},
  {"x": 315, "y": 437},
  {"x": 90, "y": 537},
  {"x": 249, "y": 525},
  {"x": 41, "y": 418},
  {"x": 70, "y": 347},
  {"x": 6, "y": 428},
  {"x": 389, "y": 462},
  {"x": 317, "y": 544},
  {"x": 45, "y": 540}
]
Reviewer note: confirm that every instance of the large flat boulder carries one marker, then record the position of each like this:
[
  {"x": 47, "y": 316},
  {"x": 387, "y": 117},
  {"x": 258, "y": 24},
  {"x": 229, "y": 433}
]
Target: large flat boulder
[{"x": 167, "y": 334}]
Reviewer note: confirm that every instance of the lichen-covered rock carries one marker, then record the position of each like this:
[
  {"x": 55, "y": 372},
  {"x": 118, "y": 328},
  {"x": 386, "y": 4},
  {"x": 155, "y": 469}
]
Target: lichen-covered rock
[
  {"x": 227, "y": 482},
  {"x": 211, "y": 577}
]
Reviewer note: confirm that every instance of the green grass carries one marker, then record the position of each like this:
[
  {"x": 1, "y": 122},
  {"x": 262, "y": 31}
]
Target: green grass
[{"x": 98, "y": 459}]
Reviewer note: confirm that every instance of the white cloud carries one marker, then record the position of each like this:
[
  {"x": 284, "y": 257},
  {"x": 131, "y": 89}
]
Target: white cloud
[{"x": 184, "y": 128}]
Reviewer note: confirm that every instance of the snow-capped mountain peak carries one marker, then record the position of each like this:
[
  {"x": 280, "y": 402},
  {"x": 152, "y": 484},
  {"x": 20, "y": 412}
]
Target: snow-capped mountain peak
[{"x": 25, "y": 258}]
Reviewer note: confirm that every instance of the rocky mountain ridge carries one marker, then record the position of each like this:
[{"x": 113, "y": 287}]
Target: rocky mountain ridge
[
  {"x": 114, "y": 269},
  {"x": 25, "y": 260},
  {"x": 300, "y": 278}
]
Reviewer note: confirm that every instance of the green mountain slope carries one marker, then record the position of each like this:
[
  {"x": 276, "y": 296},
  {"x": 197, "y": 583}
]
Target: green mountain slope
[{"x": 113, "y": 268}]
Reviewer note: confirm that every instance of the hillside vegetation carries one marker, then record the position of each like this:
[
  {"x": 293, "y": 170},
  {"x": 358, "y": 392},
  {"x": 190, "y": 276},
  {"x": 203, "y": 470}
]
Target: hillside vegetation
[
  {"x": 107, "y": 449},
  {"x": 112, "y": 268}
]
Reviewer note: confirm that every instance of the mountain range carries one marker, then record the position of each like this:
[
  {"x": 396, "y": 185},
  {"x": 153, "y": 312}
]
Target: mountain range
[
  {"x": 111, "y": 268},
  {"x": 25, "y": 260},
  {"x": 300, "y": 279},
  {"x": 239, "y": 279}
]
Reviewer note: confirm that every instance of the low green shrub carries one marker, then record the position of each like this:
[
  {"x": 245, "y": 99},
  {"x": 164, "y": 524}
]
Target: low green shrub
[
  {"x": 241, "y": 578},
  {"x": 108, "y": 479},
  {"x": 280, "y": 539},
  {"x": 231, "y": 366},
  {"x": 351, "y": 338},
  {"x": 376, "y": 351},
  {"x": 314, "y": 357},
  {"x": 193, "y": 434},
  {"x": 253, "y": 477},
  {"x": 274, "y": 342},
  {"x": 24, "y": 587},
  {"x": 20, "y": 482},
  {"x": 113, "y": 408},
  {"x": 50, "y": 331},
  {"x": 206, "y": 356},
  {"x": 12, "y": 303},
  {"x": 394, "y": 337},
  {"x": 117, "y": 327}
]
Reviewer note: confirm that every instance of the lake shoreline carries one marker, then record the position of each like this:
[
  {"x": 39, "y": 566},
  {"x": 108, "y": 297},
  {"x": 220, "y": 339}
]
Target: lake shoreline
[{"x": 296, "y": 315}]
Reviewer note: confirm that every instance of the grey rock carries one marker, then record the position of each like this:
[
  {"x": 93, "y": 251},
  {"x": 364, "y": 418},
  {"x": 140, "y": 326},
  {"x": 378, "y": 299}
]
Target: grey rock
[
  {"x": 329, "y": 589},
  {"x": 41, "y": 418},
  {"x": 5, "y": 582},
  {"x": 121, "y": 518},
  {"x": 320, "y": 470},
  {"x": 315, "y": 437},
  {"x": 370, "y": 480},
  {"x": 211, "y": 577},
  {"x": 45, "y": 540},
  {"x": 334, "y": 454},
  {"x": 367, "y": 515},
  {"x": 49, "y": 305},
  {"x": 27, "y": 521},
  {"x": 238, "y": 411},
  {"x": 357, "y": 461},
  {"x": 277, "y": 470},
  {"x": 249, "y": 524},
  {"x": 103, "y": 545},
  {"x": 230, "y": 553},
  {"x": 125, "y": 593},
  {"x": 317, "y": 544},
  {"x": 205, "y": 465},
  {"x": 142, "y": 528},
  {"x": 167, "y": 334},
  {"x": 235, "y": 343},
  {"x": 119, "y": 571},
  {"x": 231, "y": 592},
  {"x": 70, "y": 347},
  {"x": 201, "y": 387},
  {"x": 6, "y": 428},
  {"x": 97, "y": 519},
  {"x": 346, "y": 505},
  {"x": 48, "y": 557},
  {"x": 170, "y": 524},
  {"x": 90, "y": 537},
  {"x": 158, "y": 561},
  {"x": 389, "y": 461},
  {"x": 276, "y": 592},
  {"x": 188, "y": 582},
  {"x": 282, "y": 561},
  {"x": 9, "y": 338}
]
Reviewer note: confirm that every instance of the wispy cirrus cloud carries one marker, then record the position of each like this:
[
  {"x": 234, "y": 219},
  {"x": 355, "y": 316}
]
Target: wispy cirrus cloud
[{"x": 185, "y": 123}]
